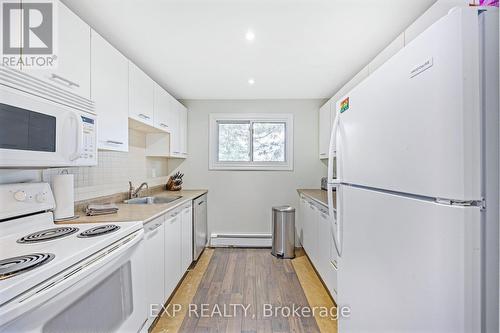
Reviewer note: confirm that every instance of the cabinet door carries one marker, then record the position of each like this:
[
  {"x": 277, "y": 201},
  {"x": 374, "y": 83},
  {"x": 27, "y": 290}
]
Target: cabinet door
[
  {"x": 324, "y": 130},
  {"x": 141, "y": 95},
  {"x": 334, "y": 265},
  {"x": 183, "y": 114},
  {"x": 110, "y": 93},
  {"x": 155, "y": 259},
  {"x": 73, "y": 54},
  {"x": 187, "y": 237},
  {"x": 161, "y": 108},
  {"x": 299, "y": 225},
  {"x": 311, "y": 232},
  {"x": 172, "y": 251},
  {"x": 324, "y": 245},
  {"x": 174, "y": 116}
]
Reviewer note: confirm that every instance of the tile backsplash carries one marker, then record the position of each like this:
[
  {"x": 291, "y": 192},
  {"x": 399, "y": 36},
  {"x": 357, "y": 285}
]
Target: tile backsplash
[{"x": 113, "y": 172}]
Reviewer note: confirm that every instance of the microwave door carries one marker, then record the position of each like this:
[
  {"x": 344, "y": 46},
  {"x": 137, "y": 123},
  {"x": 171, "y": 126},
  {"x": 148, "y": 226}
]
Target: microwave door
[{"x": 35, "y": 132}]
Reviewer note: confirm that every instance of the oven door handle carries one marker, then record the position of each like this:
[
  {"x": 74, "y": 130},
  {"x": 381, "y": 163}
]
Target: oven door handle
[
  {"x": 79, "y": 136},
  {"x": 32, "y": 298}
]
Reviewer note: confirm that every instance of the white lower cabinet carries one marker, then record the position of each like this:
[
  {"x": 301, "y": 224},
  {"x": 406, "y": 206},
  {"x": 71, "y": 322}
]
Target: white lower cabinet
[
  {"x": 168, "y": 253},
  {"x": 310, "y": 231},
  {"x": 186, "y": 236},
  {"x": 155, "y": 255},
  {"x": 172, "y": 250},
  {"x": 317, "y": 240}
]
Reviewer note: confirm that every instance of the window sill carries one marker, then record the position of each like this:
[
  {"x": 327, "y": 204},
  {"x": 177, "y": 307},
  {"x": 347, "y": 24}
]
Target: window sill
[{"x": 252, "y": 167}]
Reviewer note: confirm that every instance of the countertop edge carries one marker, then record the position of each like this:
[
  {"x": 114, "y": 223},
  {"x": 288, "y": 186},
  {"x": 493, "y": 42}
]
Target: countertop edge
[
  {"x": 110, "y": 218},
  {"x": 180, "y": 203},
  {"x": 304, "y": 192}
]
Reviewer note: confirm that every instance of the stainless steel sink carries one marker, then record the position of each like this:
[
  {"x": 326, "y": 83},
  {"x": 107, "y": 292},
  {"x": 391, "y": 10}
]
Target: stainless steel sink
[{"x": 152, "y": 200}]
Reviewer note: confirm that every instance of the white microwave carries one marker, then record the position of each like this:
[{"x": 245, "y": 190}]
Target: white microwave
[{"x": 42, "y": 125}]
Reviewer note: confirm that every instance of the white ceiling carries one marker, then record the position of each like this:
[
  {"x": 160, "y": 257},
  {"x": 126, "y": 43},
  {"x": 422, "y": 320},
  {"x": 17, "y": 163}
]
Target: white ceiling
[{"x": 302, "y": 48}]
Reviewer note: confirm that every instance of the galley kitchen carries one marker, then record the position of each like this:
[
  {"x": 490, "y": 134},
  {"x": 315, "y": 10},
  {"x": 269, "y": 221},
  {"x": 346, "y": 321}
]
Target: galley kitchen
[{"x": 249, "y": 166}]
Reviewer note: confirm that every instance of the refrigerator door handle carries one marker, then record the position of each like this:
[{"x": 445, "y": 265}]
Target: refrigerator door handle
[
  {"x": 335, "y": 230},
  {"x": 332, "y": 151}
]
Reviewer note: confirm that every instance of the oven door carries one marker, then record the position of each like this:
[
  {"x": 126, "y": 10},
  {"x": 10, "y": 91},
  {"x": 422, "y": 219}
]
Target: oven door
[
  {"x": 109, "y": 299},
  {"x": 36, "y": 132}
]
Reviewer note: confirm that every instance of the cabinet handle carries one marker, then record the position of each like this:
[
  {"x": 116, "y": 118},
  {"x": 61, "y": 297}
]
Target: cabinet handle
[
  {"x": 57, "y": 78},
  {"x": 322, "y": 154},
  {"x": 156, "y": 226},
  {"x": 163, "y": 125},
  {"x": 199, "y": 203},
  {"x": 334, "y": 264},
  {"x": 143, "y": 116},
  {"x": 114, "y": 142}
]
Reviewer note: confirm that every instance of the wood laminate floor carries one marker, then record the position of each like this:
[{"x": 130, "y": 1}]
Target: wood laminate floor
[{"x": 248, "y": 290}]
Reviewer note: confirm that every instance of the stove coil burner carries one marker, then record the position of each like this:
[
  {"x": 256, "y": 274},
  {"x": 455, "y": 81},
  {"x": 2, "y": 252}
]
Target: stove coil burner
[
  {"x": 98, "y": 231},
  {"x": 48, "y": 234},
  {"x": 11, "y": 267}
]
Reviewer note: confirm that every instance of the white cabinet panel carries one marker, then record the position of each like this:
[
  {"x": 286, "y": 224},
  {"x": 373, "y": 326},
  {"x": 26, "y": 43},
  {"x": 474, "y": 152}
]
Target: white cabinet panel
[
  {"x": 161, "y": 108},
  {"x": 186, "y": 237},
  {"x": 299, "y": 224},
  {"x": 73, "y": 54},
  {"x": 172, "y": 251},
  {"x": 155, "y": 259},
  {"x": 109, "y": 72},
  {"x": 324, "y": 130},
  {"x": 310, "y": 232},
  {"x": 175, "y": 132},
  {"x": 183, "y": 130},
  {"x": 141, "y": 95},
  {"x": 324, "y": 238}
]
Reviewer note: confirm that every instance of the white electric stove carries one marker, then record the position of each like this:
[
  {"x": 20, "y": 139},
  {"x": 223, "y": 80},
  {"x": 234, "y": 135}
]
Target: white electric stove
[{"x": 50, "y": 274}]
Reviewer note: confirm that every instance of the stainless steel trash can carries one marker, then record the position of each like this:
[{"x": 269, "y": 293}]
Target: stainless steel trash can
[{"x": 283, "y": 232}]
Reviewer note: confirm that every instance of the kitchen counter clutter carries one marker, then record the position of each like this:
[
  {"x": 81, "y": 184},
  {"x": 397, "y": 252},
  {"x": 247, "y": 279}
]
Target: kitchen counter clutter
[{"x": 139, "y": 212}]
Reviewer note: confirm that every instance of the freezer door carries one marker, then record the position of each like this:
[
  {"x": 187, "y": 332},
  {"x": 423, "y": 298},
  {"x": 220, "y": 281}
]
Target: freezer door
[
  {"x": 408, "y": 265},
  {"x": 414, "y": 125}
]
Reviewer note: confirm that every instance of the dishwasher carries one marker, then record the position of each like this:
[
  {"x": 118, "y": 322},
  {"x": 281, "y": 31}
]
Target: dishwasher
[{"x": 199, "y": 225}]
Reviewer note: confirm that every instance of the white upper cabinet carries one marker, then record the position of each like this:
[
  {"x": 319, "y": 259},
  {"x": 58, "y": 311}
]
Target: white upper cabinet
[
  {"x": 183, "y": 129},
  {"x": 109, "y": 73},
  {"x": 174, "y": 120},
  {"x": 72, "y": 49},
  {"x": 324, "y": 130},
  {"x": 141, "y": 95},
  {"x": 161, "y": 108}
]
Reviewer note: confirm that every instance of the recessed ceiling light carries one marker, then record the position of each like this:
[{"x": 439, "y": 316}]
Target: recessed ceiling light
[
  {"x": 251, "y": 81},
  {"x": 250, "y": 36}
]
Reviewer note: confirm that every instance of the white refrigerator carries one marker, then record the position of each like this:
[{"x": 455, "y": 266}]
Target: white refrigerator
[{"x": 416, "y": 151}]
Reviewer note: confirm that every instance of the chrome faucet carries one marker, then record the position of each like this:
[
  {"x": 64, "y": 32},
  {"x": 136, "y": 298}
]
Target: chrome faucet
[{"x": 132, "y": 192}]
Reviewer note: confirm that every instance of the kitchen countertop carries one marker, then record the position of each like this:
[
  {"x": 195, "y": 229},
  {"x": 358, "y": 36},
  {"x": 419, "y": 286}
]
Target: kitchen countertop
[
  {"x": 320, "y": 196},
  {"x": 137, "y": 212}
]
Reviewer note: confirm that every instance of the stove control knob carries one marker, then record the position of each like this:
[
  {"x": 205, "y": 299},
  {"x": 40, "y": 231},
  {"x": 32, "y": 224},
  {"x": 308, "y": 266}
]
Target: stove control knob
[
  {"x": 40, "y": 197},
  {"x": 20, "y": 195}
]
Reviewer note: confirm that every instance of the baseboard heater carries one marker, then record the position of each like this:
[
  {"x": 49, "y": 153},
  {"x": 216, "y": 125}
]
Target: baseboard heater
[{"x": 240, "y": 240}]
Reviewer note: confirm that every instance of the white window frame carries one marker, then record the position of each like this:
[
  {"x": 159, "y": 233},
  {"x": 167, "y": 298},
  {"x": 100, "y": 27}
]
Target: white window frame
[{"x": 213, "y": 141}]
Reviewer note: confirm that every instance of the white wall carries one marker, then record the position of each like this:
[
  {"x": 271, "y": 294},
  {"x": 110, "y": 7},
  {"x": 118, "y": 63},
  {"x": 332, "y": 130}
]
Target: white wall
[{"x": 241, "y": 201}]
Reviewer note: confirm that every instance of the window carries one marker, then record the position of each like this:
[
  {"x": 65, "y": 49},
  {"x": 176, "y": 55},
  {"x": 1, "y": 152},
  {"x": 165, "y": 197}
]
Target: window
[{"x": 251, "y": 141}]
